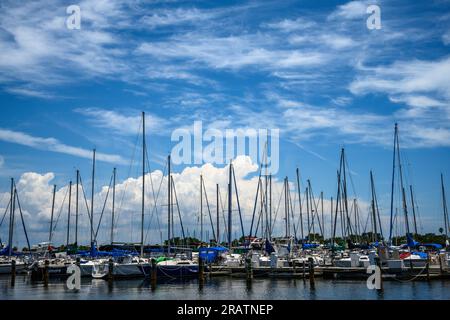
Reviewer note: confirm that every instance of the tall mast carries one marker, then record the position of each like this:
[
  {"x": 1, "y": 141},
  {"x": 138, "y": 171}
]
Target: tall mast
[
  {"x": 92, "y": 199},
  {"x": 331, "y": 217},
  {"x": 270, "y": 207},
  {"x": 143, "y": 183},
  {"x": 168, "y": 202},
  {"x": 11, "y": 215},
  {"x": 307, "y": 212},
  {"x": 113, "y": 206},
  {"x": 392, "y": 185},
  {"x": 323, "y": 218},
  {"x": 68, "y": 214},
  {"x": 285, "y": 209},
  {"x": 51, "y": 217},
  {"x": 230, "y": 194},
  {"x": 413, "y": 209},
  {"x": 372, "y": 187},
  {"x": 344, "y": 193},
  {"x": 444, "y": 207},
  {"x": 405, "y": 207},
  {"x": 300, "y": 202},
  {"x": 217, "y": 211},
  {"x": 201, "y": 209},
  {"x": 76, "y": 209}
]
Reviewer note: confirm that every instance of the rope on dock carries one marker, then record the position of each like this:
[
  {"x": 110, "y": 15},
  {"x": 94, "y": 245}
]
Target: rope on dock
[{"x": 415, "y": 277}]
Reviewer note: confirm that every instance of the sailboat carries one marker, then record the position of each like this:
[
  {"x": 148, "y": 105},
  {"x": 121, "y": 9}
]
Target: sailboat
[{"x": 7, "y": 255}]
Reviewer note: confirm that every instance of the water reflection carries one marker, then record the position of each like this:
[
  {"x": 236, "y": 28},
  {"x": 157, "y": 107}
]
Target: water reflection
[{"x": 221, "y": 288}]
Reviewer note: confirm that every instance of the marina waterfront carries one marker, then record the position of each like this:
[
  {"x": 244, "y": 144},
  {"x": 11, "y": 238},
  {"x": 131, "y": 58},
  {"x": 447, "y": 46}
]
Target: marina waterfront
[{"x": 223, "y": 289}]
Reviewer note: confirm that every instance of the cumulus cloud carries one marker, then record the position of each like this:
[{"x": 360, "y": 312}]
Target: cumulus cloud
[{"x": 35, "y": 192}]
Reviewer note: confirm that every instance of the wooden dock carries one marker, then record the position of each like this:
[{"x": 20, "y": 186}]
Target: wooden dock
[{"x": 261, "y": 272}]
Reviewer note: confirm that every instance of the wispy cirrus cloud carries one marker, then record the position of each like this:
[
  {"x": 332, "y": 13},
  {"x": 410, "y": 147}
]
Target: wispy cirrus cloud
[
  {"x": 54, "y": 145},
  {"x": 121, "y": 123}
]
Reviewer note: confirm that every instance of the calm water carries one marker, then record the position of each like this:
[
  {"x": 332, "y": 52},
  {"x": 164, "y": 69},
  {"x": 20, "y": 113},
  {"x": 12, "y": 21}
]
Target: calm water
[{"x": 223, "y": 288}]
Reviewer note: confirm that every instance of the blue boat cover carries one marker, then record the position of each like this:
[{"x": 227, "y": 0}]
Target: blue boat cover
[
  {"x": 268, "y": 246},
  {"x": 210, "y": 254}
]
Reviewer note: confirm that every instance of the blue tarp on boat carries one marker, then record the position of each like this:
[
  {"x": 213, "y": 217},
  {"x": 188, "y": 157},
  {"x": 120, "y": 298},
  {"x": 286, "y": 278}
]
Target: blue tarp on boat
[
  {"x": 413, "y": 244},
  {"x": 210, "y": 254},
  {"x": 268, "y": 247},
  {"x": 309, "y": 245}
]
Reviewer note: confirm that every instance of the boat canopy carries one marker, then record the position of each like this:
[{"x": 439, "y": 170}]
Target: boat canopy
[
  {"x": 411, "y": 243},
  {"x": 210, "y": 254},
  {"x": 5, "y": 252}
]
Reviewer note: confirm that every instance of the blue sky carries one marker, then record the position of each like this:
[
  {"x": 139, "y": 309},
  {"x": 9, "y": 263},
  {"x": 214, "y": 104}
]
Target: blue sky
[{"x": 310, "y": 68}]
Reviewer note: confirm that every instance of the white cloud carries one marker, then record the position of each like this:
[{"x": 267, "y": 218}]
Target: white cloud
[
  {"x": 52, "y": 144},
  {"x": 350, "y": 10},
  {"x": 406, "y": 77},
  {"x": 35, "y": 192},
  {"x": 2, "y": 161},
  {"x": 123, "y": 124},
  {"x": 446, "y": 38},
  {"x": 287, "y": 25},
  {"x": 234, "y": 52},
  {"x": 338, "y": 42}
]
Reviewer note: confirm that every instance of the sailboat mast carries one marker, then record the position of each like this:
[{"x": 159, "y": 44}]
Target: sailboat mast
[
  {"x": 143, "y": 183},
  {"x": 270, "y": 207},
  {"x": 76, "y": 209},
  {"x": 68, "y": 214},
  {"x": 307, "y": 212},
  {"x": 323, "y": 218},
  {"x": 413, "y": 209},
  {"x": 11, "y": 214},
  {"x": 392, "y": 185},
  {"x": 230, "y": 194},
  {"x": 217, "y": 212},
  {"x": 92, "y": 199},
  {"x": 201, "y": 209},
  {"x": 405, "y": 207},
  {"x": 286, "y": 208},
  {"x": 51, "y": 217},
  {"x": 300, "y": 202},
  {"x": 373, "y": 207},
  {"x": 444, "y": 206},
  {"x": 168, "y": 202},
  {"x": 113, "y": 205}
]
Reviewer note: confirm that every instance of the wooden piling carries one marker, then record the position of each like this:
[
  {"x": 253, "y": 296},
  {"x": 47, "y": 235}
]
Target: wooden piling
[
  {"x": 13, "y": 272},
  {"x": 110, "y": 269},
  {"x": 153, "y": 275},
  {"x": 428, "y": 267},
  {"x": 201, "y": 276},
  {"x": 248, "y": 268},
  {"x": 46, "y": 264},
  {"x": 311, "y": 272}
]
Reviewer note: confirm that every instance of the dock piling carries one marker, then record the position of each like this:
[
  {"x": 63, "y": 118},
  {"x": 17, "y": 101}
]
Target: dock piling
[
  {"x": 46, "y": 264},
  {"x": 13, "y": 272},
  {"x": 201, "y": 277},
  {"x": 153, "y": 275},
  {"x": 110, "y": 269},
  {"x": 311, "y": 272},
  {"x": 248, "y": 268}
]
